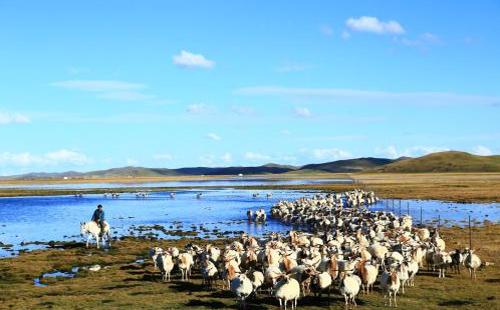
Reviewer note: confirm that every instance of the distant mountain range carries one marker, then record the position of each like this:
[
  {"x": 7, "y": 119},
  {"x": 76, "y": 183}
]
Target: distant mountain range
[{"x": 451, "y": 161}]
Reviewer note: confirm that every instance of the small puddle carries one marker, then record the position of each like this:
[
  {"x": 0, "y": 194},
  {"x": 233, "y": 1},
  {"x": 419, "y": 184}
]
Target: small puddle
[{"x": 55, "y": 274}]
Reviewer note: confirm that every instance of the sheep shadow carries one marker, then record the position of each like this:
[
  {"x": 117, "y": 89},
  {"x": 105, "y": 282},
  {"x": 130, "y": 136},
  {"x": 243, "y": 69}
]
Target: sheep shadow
[
  {"x": 456, "y": 302},
  {"x": 212, "y": 304},
  {"x": 186, "y": 286}
]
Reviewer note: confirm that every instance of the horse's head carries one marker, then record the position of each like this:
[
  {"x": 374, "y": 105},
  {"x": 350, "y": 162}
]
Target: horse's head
[{"x": 83, "y": 228}]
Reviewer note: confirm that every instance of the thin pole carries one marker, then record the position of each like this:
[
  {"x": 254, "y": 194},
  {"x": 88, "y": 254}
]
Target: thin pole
[
  {"x": 470, "y": 235},
  {"x": 408, "y": 208},
  {"x": 421, "y": 223},
  {"x": 399, "y": 207},
  {"x": 439, "y": 220}
]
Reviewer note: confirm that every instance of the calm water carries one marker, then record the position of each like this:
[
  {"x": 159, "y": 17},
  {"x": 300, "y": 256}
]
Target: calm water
[
  {"x": 27, "y": 219},
  {"x": 194, "y": 183}
]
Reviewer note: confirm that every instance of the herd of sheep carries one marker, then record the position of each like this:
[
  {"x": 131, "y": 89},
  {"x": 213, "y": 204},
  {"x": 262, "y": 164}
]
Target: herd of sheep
[{"x": 346, "y": 246}]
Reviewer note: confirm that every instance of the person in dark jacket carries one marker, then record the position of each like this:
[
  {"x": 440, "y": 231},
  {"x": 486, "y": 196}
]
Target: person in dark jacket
[{"x": 98, "y": 217}]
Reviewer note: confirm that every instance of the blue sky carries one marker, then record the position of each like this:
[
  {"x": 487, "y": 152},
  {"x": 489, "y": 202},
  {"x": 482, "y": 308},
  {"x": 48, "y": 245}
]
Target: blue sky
[{"x": 101, "y": 84}]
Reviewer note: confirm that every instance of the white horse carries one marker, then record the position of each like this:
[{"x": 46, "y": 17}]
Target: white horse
[{"x": 91, "y": 230}]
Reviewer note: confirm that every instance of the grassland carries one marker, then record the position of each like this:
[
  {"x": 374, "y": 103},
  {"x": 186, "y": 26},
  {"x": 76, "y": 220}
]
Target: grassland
[{"x": 124, "y": 285}]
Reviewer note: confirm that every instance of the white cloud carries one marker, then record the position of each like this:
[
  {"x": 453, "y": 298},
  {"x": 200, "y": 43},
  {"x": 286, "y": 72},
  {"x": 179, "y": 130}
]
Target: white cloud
[
  {"x": 110, "y": 89},
  {"x": 329, "y": 154},
  {"x": 213, "y": 136},
  {"x": 374, "y": 25},
  {"x": 342, "y": 96},
  {"x": 302, "y": 112},
  {"x": 77, "y": 70},
  {"x": 345, "y": 35},
  {"x": 99, "y": 85},
  {"x": 254, "y": 156},
  {"x": 243, "y": 110},
  {"x": 292, "y": 67},
  {"x": 227, "y": 157},
  {"x": 126, "y": 96},
  {"x": 326, "y": 30},
  {"x": 423, "y": 41},
  {"x": 67, "y": 156},
  {"x": 208, "y": 160},
  {"x": 482, "y": 150},
  {"x": 392, "y": 152},
  {"x": 163, "y": 157},
  {"x": 54, "y": 158},
  {"x": 186, "y": 59},
  {"x": 197, "y": 108},
  {"x": 13, "y": 118},
  {"x": 131, "y": 162}
]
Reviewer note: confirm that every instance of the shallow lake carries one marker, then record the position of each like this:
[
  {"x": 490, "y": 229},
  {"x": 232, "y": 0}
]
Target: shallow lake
[
  {"x": 28, "y": 219},
  {"x": 227, "y": 182}
]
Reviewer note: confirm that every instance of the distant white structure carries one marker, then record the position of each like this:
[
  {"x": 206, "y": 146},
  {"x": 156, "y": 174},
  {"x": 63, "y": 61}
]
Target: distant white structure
[
  {"x": 65, "y": 178},
  {"x": 240, "y": 175}
]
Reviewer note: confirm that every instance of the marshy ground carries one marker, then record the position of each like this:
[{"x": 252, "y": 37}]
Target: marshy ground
[{"x": 125, "y": 284}]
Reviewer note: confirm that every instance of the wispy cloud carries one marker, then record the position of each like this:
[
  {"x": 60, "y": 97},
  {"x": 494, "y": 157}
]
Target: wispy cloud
[
  {"x": 63, "y": 156},
  {"x": 77, "y": 70},
  {"x": 197, "y": 108},
  {"x": 13, "y": 118},
  {"x": 213, "y": 136},
  {"x": 328, "y": 153},
  {"x": 227, "y": 158},
  {"x": 392, "y": 152},
  {"x": 302, "y": 112},
  {"x": 341, "y": 96},
  {"x": 243, "y": 110},
  {"x": 292, "y": 67},
  {"x": 163, "y": 157},
  {"x": 424, "y": 41},
  {"x": 99, "y": 85},
  {"x": 482, "y": 150},
  {"x": 256, "y": 157},
  {"x": 326, "y": 30},
  {"x": 190, "y": 60},
  {"x": 374, "y": 25},
  {"x": 110, "y": 89}
]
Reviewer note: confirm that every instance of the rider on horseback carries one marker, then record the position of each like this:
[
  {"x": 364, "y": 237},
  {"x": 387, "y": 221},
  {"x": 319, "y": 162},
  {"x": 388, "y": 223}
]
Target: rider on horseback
[{"x": 98, "y": 217}]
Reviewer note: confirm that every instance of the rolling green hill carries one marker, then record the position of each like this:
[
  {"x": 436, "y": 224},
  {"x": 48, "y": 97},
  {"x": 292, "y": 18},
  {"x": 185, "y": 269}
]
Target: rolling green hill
[
  {"x": 451, "y": 161},
  {"x": 349, "y": 165}
]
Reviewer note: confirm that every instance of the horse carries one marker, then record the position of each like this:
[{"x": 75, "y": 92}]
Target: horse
[{"x": 92, "y": 229}]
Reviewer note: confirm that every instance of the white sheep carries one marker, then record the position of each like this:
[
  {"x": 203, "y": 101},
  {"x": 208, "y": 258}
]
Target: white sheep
[
  {"x": 413, "y": 267},
  {"x": 242, "y": 287},
  {"x": 390, "y": 284},
  {"x": 403, "y": 275},
  {"x": 209, "y": 271},
  {"x": 472, "y": 262},
  {"x": 257, "y": 279},
  {"x": 165, "y": 264},
  {"x": 287, "y": 289},
  {"x": 321, "y": 282},
  {"x": 153, "y": 254},
  {"x": 349, "y": 287},
  {"x": 369, "y": 275},
  {"x": 185, "y": 262}
]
